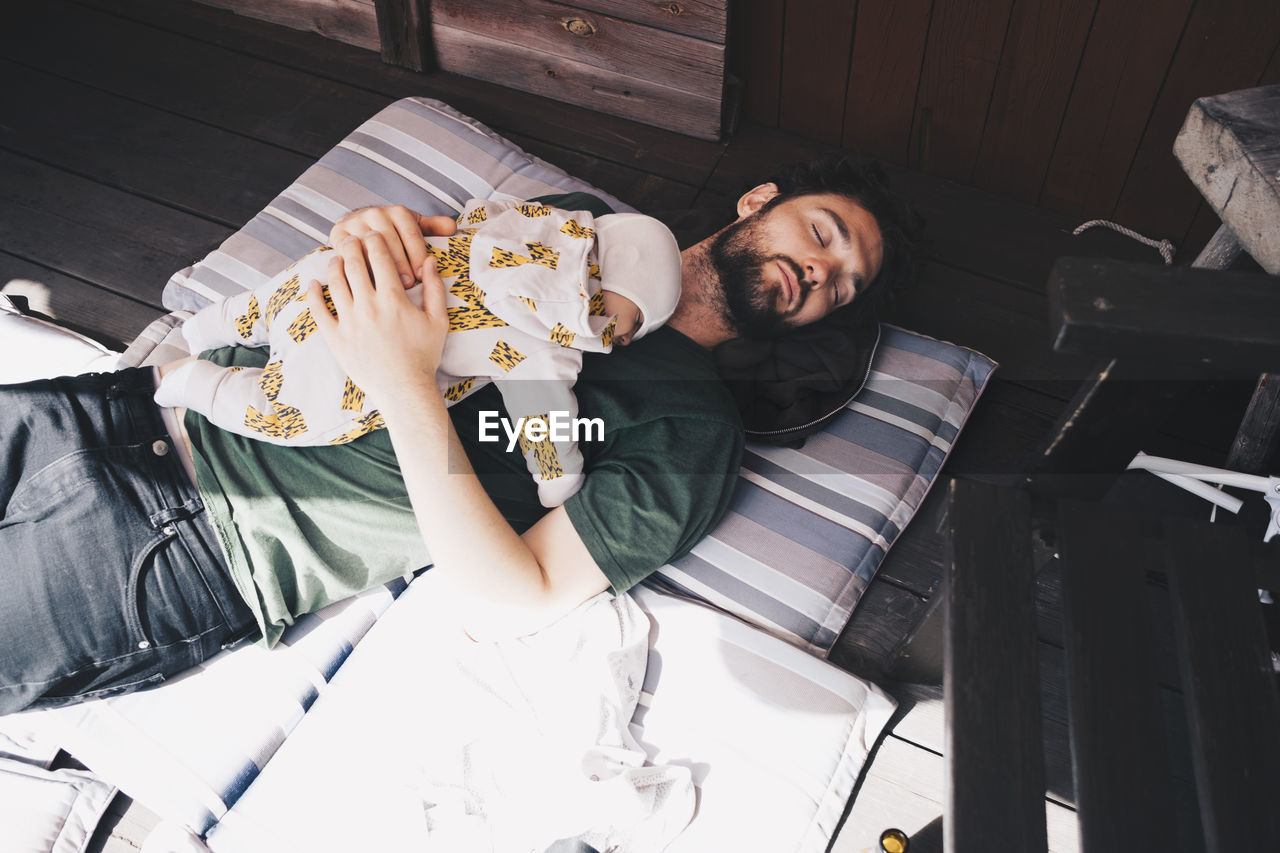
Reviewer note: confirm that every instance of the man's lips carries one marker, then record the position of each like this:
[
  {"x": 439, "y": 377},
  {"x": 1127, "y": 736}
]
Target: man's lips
[{"x": 790, "y": 287}]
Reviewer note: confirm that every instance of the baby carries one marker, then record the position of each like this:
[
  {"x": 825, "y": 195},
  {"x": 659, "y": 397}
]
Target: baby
[{"x": 530, "y": 289}]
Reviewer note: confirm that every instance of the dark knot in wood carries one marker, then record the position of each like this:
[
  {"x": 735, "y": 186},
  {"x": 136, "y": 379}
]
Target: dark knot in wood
[{"x": 579, "y": 26}]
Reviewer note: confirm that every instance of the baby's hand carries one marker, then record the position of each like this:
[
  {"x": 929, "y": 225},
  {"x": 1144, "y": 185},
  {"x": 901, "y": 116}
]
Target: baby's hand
[{"x": 401, "y": 228}]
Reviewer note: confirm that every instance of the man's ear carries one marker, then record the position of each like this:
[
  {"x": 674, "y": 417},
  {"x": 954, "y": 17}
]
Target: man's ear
[{"x": 754, "y": 199}]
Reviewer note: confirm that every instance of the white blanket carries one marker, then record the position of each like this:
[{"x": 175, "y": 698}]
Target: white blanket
[
  {"x": 532, "y": 742},
  {"x": 428, "y": 741},
  {"x": 33, "y": 349}
]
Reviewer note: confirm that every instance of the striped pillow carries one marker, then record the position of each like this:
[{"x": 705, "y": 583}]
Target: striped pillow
[
  {"x": 809, "y": 526},
  {"x": 417, "y": 152}
]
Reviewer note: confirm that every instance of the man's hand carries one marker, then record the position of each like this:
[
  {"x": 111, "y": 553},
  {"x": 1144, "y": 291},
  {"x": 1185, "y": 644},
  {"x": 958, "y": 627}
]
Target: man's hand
[
  {"x": 401, "y": 228},
  {"x": 385, "y": 343}
]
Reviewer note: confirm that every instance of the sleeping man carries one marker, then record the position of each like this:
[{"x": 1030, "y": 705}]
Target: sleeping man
[{"x": 121, "y": 569}]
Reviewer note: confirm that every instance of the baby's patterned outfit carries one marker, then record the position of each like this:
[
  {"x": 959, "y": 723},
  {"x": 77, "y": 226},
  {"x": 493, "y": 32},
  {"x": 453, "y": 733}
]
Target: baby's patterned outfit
[{"x": 524, "y": 304}]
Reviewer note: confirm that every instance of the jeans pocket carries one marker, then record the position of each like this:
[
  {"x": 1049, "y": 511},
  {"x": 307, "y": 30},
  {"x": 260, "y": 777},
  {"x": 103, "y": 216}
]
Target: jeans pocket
[
  {"x": 145, "y": 566},
  {"x": 61, "y": 480}
]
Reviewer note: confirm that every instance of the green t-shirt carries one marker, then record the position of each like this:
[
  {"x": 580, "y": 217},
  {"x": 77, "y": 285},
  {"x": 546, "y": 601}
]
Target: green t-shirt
[
  {"x": 302, "y": 527},
  {"x": 663, "y": 473}
]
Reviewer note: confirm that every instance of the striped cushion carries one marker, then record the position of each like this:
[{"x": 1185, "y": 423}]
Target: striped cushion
[
  {"x": 417, "y": 152},
  {"x": 808, "y": 527}
]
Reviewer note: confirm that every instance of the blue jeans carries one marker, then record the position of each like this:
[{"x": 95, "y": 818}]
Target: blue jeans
[{"x": 111, "y": 577}]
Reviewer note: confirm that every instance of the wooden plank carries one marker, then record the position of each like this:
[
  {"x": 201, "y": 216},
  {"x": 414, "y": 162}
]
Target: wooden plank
[
  {"x": 1123, "y": 794},
  {"x": 1037, "y": 67},
  {"x": 756, "y": 58},
  {"x": 1155, "y": 608},
  {"x": 884, "y": 73},
  {"x": 592, "y": 39},
  {"x": 1221, "y": 251},
  {"x": 921, "y": 721},
  {"x": 817, "y": 41},
  {"x": 1200, "y": 234},
  {"x": 1230, "y": 688},
  {"x": 531, "y": 70},
  {"x": 904, "y": 788},
  {"x": 1166, "y": 313},
  {"x": 1130, "y": 45},
  {"x": 1226, "y": 46},
  {"x": 1253, "y": 451},
  {"x": 988, "y": 234},
  {"x": 187, "y": 76},
  {"x": 627, "y": 142},
  {"x": 995, "y": 767},
  {"x": 1006, "y": 323},
  {"x": 152, "y": 153},
  {"x": 1131, "y": 407},
  {"x": 85, "y": 230},
  {"x": 403, "y": 33},
  {"x": 1229, "y": 146},
  {"x": 886, "y": 614},
  {"x": 960, "y": 62},
  {"x": 353, "y": 22},
  {"x": 1005, "y": 431},
  {"x": 915, "y": 562},
  {"x": 703, "y": 19}
]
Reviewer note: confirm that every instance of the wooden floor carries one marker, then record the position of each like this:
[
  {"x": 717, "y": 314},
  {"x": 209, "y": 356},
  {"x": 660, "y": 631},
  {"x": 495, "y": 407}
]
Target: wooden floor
[{"x": 137, "y": 134}]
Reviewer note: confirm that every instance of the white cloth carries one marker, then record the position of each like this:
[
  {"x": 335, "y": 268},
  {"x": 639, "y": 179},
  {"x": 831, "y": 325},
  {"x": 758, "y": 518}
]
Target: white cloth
[
  {"x": 35, "y": 349},
  {"x": 533, "y": 743},
  {"x": 428, "y": 741}
]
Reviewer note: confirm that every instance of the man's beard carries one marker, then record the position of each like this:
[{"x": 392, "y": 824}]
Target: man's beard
[{"x": 748, "y": 302}]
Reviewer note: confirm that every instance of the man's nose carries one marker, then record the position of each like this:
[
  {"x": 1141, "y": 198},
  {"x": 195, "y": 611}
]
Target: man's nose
[{"x": 817, "y": 270}]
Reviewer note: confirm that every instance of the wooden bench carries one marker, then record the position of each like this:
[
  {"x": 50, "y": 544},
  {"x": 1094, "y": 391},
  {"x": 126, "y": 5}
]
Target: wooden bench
[
  {"x": 1123, "y": 734},
  {"x": 1229, "y": 147}
]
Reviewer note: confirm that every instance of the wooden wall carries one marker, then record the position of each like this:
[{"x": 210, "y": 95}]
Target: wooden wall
[{"x": 1070, "y": 104}]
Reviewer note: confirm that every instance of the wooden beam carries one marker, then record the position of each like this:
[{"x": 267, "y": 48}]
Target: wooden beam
[
  {"x": 1229, "y": 147},
  {"x": 1253, "y": 450},
  {"x": 1123, "y": 792},
  {"x": 994, "y": 749},
  {"x": 348, "y": 21},
  {"x": 1165, "y": 313},
  {"x": 404, "y": 33},
  {"x": 1228, "y": 684}
]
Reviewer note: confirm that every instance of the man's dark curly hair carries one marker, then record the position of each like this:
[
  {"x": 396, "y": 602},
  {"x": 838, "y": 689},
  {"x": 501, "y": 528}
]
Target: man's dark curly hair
[{"x": 866, "y": 183}]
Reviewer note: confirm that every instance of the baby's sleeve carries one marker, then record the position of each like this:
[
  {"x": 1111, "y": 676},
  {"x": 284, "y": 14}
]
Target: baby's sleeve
[{"x": 540, "y": 389}]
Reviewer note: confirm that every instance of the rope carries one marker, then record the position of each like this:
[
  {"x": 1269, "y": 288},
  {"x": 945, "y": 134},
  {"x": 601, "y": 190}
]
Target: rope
[{"x": 1165, "y": 248}]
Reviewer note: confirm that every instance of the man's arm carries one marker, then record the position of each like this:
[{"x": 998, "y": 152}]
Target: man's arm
[{"x": 507, "y": 584}]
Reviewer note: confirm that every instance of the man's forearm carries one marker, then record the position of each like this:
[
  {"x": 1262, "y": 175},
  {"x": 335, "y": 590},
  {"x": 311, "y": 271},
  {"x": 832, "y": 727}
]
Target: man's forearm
[
  {"x": 500, "y": 577},
  {"x": 391, "y": 348}
]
